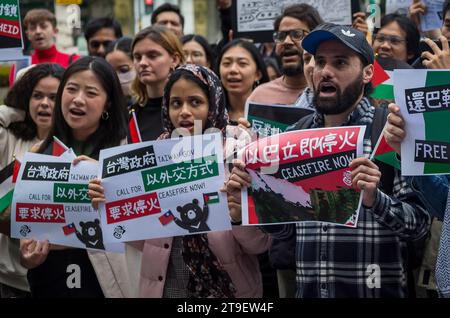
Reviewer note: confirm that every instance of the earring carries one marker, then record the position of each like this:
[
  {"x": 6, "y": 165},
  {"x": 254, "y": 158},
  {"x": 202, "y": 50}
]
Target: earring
[{"x": 105, "y": 115}]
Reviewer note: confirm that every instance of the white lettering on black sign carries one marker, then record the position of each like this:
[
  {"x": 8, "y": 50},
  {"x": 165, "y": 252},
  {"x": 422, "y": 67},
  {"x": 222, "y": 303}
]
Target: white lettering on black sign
[
  {"x": 432, "y": 151},
  {"x": 134, "y": 160},
  {"x": 427, "y": 99},
  {"x": 46, "y": 171}
]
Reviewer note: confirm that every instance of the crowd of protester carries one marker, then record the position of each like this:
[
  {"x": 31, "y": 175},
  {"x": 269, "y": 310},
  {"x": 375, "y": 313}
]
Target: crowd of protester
[{"x": 169, "y": 80}]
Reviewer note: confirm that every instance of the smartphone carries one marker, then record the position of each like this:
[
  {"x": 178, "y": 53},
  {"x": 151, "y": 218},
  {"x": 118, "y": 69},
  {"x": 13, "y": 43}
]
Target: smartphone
[{"x": 424, "y": 47}]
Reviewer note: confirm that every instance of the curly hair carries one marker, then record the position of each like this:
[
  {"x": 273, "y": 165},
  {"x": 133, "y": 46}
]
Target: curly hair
[{"x": 20, "y": 94}]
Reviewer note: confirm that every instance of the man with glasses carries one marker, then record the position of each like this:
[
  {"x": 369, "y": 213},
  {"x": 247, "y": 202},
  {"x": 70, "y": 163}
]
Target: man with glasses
[
  {"x": 290, "y": 28},
  {"x": 398, "y": 38},
  {"x": 99, "y": 33}
]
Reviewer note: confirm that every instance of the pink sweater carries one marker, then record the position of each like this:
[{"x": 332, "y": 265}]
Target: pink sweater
[
  {"x": 276, "y": 92},
  {"x": 236, "y": 250}
]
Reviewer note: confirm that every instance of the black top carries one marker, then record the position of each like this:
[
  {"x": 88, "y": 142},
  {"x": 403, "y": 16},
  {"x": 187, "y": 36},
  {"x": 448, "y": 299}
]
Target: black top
[
  {"x": 65, "y": 273},
  {"x": 149, "y": 119}
]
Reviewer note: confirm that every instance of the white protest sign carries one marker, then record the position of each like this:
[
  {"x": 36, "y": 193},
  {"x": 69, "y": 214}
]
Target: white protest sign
[
  {"x": 51, "y": 202},
  {"x": 164, "y": 188},
  {"x": 259, "y": 15},
  {"x": 424, "y": 100}
]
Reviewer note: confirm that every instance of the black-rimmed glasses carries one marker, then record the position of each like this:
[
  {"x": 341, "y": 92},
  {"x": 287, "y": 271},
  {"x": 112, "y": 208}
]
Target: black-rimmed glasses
[{"x": 295, "y": 35}]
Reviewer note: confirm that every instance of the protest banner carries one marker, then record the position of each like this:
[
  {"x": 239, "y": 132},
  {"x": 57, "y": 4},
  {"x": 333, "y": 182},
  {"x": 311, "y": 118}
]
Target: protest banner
[
  {"x": 254, "y": 19},
  {"x": 11, "y": 43},
  {"x": 303, "y": 176},
  {"x": 51, "y": 202},
  {"x": 164, "y": 188},
  {"x": 424, "y": 100},
  {"x": 268, "y": 120}
]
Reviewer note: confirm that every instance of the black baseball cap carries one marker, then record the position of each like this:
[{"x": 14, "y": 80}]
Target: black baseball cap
[{"x": 350, "y": 37}]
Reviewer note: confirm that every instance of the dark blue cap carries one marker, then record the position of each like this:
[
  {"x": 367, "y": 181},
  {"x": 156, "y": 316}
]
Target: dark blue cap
[{"x": 350, "y": 37}]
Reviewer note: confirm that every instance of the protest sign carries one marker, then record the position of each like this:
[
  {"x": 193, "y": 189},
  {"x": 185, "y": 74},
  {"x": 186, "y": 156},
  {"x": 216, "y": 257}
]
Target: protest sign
[
  {"x": 51, "y": 202},
  {"x": 268, "y": 120},
  {"x": 164, "y": 188},
  {"x": 303, "y": 176},
  {"x": 11, "y": 44},
  {"x": 432, "y": 19},
  {"x": 424, "y": 100},
  {"x": 8, "y": 175},
  {"x": 398, "y": 6},
  {"x": 254, "y": 19}
]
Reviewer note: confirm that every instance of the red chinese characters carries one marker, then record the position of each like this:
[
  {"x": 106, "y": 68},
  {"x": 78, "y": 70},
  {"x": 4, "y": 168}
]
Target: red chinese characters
[
  {"x": 132, "y": 208},
  {"x": 300, "y": 145},
  {"x": 40, "y": 213}
]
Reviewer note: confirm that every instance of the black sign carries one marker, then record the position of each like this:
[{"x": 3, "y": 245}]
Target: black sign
[
  {"x": 134, "y": 160},
  {"x": 305, "y": 169},
  {"x": 46, "y": 171},
  {"x": 432, "y": 151},
  {"x": 427, "y": 99}
]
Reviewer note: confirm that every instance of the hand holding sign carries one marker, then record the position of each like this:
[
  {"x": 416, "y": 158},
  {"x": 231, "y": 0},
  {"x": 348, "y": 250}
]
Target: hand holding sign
[
  {"x": 96, "y": 193},
  {"x": 359, "y": 22},
  {"x": 394, "y": 131},
  {"x": 83, "y": 158},
  {"x": 365, "y": 176},
  {"x": 417, "y": 9},
  {"x": 239, "y": 178}
]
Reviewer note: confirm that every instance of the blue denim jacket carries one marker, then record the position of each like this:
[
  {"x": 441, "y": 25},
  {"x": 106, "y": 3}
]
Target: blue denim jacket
[{"x": 433, "y": 191}]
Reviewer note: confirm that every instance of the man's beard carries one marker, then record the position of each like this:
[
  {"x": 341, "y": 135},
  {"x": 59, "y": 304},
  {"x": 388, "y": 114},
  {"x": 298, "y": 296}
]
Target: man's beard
[
  {"x": 342, "y": 102},
  {"x": 292, "y": 70}
]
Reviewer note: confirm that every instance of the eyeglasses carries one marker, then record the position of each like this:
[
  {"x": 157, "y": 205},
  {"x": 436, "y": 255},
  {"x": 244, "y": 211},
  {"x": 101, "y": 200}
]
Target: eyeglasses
[
  {"x": 295, "y": 35},
  {"x": 392, "y": 39},
  {"x": 96, "y": 44}
]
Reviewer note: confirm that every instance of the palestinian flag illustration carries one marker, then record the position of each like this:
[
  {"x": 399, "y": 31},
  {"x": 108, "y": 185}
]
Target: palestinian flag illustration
[{"x": 211, "y": 198}]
